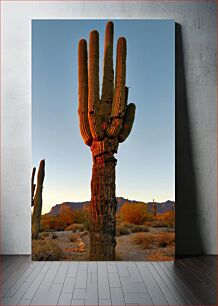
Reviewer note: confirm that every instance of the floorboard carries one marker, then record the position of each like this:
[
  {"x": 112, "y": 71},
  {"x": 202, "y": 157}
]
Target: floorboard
[{"x": 187, "y": 281}]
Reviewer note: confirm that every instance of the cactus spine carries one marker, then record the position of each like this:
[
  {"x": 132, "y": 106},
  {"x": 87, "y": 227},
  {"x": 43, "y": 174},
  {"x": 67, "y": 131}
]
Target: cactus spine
[
  {"x": 104, "y": 123},
  {"x": 37, "y": 202}
]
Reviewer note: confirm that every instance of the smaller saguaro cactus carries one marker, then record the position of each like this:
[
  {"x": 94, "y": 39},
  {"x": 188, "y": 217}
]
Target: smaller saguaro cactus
[
  {"x": 37, "y": 202},
  {"x": 33, "y": 186},
  {"x": 154, "y": 206}
]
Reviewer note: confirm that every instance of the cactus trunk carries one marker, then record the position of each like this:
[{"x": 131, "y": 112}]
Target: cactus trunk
[
  {"x": 103, "y": 209},
  {"x": 36, "y": 217}
]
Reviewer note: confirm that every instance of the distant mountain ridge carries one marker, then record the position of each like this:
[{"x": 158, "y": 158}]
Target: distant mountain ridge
[{"x": 162, "y": 207}]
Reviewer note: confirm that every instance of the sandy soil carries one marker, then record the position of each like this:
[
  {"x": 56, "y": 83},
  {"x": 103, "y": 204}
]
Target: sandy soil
[
  {"x": 129, "y": 251},
  {"x": 126, "y": 248}
]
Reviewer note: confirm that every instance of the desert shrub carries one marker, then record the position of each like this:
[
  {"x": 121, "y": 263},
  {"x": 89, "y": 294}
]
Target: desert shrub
[
  {"x": 52, "y": 223},
  {"x": 46, "y": 222},
  {"x": 154, "y": 240},
  {"x": 159, "y": 256},
  {"x": 149, "y": 217},
  {"x": 73, "y": 238},
  {"x": 170, "y": 250},
  {"x": 168, "y": 218},
  {"x": 148, "y": 223},
  {"x": 139, "y": 238},
  {"x": 118, "y": 218},
  {"x": 127, "y": 225},
  {"x": 121, "y": 230},
  {"x": 43, "y": 235},
  {"x": 118, "y": 256},
  {"x": 75, "y": 227},
  {"x": 66, "y": 215},
  {"x": 82, "y": 216},
  {"x": 134, "y": 213},
  {"x": 144, "y": 240},
  {"x": 65, "y": 218},
  {"x": 59, "y": 222},
  {"x": 139, "y": 228},
  {"x": 165, "y": 239},
  {"x": 45, "y": 250},
  {"x": 54, "y": 236},
  {"x": 86, "y": 225},
  {"x": 159, "y": 224}
]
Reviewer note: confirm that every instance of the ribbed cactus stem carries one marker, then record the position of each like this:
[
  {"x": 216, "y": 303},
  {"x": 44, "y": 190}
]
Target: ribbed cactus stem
[
  {"x": 36, "y": 217},
  {"x": 83, "y": 92},
  {"x": 93, "y": 92},
  {"x": 127, "y": 122},
  {"x": 119, "y": 105},
  {"x": 108, "y": 76},
  {"x": 33, "y": 186}
]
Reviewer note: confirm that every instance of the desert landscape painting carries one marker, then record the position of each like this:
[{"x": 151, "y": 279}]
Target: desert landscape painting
[{"x": 103, "y": 140}]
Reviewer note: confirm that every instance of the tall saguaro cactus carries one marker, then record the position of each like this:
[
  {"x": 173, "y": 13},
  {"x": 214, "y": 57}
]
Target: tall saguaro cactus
[
  {"x": 37, "y": 202},
  {"x": 104, "y": 123}
]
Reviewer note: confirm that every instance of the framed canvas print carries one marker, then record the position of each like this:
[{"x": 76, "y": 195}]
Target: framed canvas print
[{"x": 103, "y": 140}]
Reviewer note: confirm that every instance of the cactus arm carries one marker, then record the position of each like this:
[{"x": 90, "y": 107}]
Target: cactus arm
[
  {"x": 127, "y": 122},
  {"x": 108, "y": 76},
  {"x": 118, "y": 106},
  {"x": 33, "y": 186},
  {"x": 41, "y": 174},
  {"x": 93, "y": 92},
  {"x": 83, "y": 92},
  {"x": 36, "y": 217}
]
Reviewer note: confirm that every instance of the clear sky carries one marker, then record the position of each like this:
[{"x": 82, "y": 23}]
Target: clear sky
[{"x": 146, "y": 160}]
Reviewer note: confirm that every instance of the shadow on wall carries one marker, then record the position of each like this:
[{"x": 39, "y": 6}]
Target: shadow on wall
[{"x": 189, "y": 240}]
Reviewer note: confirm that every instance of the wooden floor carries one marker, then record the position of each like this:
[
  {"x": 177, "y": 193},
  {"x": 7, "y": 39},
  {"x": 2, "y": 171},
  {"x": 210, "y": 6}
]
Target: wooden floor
[{"x": 188, "y": 281}]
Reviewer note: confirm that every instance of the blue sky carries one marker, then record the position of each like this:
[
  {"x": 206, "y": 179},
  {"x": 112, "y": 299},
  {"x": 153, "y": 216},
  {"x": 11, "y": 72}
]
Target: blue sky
[{"x": 146, "y": 160}]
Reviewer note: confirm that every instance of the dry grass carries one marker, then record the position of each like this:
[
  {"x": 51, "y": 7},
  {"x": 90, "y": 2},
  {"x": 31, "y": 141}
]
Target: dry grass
[
  {"x": 132, "y": 228},
  {"x": 74, "y": 237},
  {"x": 127, "y": 225},
  {"x": 139, "y": 228},
  {"x": 165, "y": 239},
  {"x": 75, "y": 227},
  {"x": 44, "y": 234},
  {"x": 159, "y": 224},
  {"x": 161, "y": 240},
  {"x": 139, "y": 238},
  {"x": 159, "y": 256},
  {"x": 45, "y": 250},
  {"x": 118, "y": 257},
  {"x": 122, "y": 230}
]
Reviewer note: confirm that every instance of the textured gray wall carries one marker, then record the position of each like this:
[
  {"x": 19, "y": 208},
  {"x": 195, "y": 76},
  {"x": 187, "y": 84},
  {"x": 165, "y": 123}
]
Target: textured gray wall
[{"x": 196, "y": 207}]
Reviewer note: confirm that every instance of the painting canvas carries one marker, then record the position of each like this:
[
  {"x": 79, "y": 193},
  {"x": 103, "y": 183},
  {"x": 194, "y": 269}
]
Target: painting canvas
[{"x": 103, "y": 140}]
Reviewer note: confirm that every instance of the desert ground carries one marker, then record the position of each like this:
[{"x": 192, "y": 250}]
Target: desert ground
[{"x": 154, "y": 244}]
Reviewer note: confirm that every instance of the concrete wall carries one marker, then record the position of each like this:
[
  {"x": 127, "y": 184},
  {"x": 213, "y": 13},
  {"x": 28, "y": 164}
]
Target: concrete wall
[{"x": 196, "y": 146}]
